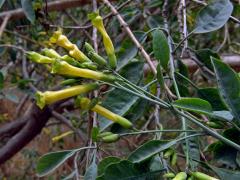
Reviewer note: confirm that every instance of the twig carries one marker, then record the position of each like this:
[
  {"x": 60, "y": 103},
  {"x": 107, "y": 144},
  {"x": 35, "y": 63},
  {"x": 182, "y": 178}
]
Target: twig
[{"x": 4, "y": 24}]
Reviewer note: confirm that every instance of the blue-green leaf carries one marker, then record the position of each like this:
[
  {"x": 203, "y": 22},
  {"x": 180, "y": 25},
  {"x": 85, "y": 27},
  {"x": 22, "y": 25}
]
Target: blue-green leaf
[
  {"x": 1, "y": 3},
  {"x": 91, "y": 172},
  {"x": 105, "y": 163},
  {"x": 161, "y": 48},
  {"x": 51, "y": 161},
  {"x": 194, "y": 104},
  {"x": 226, "y": 173},
  {"x": 149, "y": 149},
  {"x": 213, "y": 16},
  {"x": 228, "y": 85},
  {"x": 28, "y": 10}
]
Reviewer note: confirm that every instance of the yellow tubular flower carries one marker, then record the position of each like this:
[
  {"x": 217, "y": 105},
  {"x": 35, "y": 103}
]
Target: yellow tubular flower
[
  {"x": 85, "y": 102},
  {"x": 38, "y": 58},
  {"x": 61, "y": 136},
  {"x": 63, "y": 68},
  {"x": 77, "y": 54},
  {"x": 62, "y": 41},
  {"x": 51, "y": 53},
  {"x": 49, "y": 97},
  {"x": 97, "y": 22}
]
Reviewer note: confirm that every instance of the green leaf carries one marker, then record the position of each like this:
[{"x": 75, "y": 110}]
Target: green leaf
[
  {"x": 51, "y": 161},
  {"x": 213, "y": 16},
  {"x": 128, "y": 50},
  {"x": 160, "y": 77},
  {"x": 161, "y": 49},
  {"x": 119, "y": 101},
  {"x": 95, "y": 132},
  {"x": 194, "y": 153},
  {"x": 1, "y": 80},
  {"x": 149, "y": 149},
  {"x": 226, "y": 173},
  {"x": 105, "y": 163},
  {"x": 204, "y": 56},
  {"x": 229, "y": 86},
  {"x": 194, "y": 104},
  {"x": 223, "y": 115},
  {"x": 121, "y": 170},
  {"x": 1, "y": 3},
  {"x": 213, "y": 97},
  {"x": 133, "y": 71},
  {"x": 91, "y": 172},
  {"x": 28, "y": 10}
]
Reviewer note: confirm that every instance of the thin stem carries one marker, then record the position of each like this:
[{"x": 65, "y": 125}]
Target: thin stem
[
  {"x": 180, "y": 43},
  {"x": 156, "y": 131},
  {"x": 165, "y": 105},
  {"x": 208, "y": 130},
  {"x": 139, "y": 88},
  {"x": 188, "y": 80}
]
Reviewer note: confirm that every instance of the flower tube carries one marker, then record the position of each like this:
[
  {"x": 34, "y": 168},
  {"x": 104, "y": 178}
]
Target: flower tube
[
  {"x": 62, "y": 41},
  {"x": 85, "y": 102},
  {"x": 97, "y": 22},
  {"x": 49, "y": 97},
  {"x": 38, "y": 58},
  {"x": 63, "y": 68}
]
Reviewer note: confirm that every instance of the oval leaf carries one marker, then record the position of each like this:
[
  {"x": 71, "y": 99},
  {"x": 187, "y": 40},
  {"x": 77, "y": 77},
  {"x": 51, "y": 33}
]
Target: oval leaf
[
  {"x": 194, "y": 104},
  {"x": 229, "y": 86},
  {"x": 121, "y": 170},
  {"x": 160, "y": 48},
  {"x": 106, "y": 162},
  {"x": 213, "y": 16},
  {"x": 149, "y": 149},
  {"x": 51, "y": 161},
  {"x": 28, "y": 10}
]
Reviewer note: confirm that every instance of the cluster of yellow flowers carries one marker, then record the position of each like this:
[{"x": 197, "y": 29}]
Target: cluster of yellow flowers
[{"x": 77, "y": 64}]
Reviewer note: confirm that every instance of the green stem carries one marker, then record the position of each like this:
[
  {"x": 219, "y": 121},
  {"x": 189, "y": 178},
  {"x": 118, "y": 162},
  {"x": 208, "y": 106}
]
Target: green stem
[
  {"x": 165, "y": 105},
  {"x": 188, "y": 80},
  {"x": 208, "y": 130},
  {"x": 140, "y": 89},
  {"x": 156, "y": 131}
]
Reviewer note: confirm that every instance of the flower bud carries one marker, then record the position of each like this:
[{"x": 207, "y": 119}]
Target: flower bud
[
  {"x": 169, "y": 175},
  {"x": 168, "y": 153},
  {"x": 97, "y": 58},
  {"x": 88, "y": 47},
  {"x": 63, "y": 68},
  {"x": 202, "y": 176},
  {"x": 180, "y": 176},
  {"x": 110, "y": 138},
  {"x": 49, "y": 97}
]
